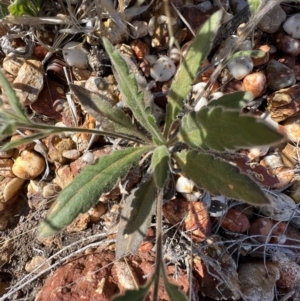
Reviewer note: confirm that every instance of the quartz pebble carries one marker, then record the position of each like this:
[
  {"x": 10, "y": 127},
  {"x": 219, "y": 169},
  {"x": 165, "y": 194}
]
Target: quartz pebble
[
  {"x": 28, "y": 165},
  {"x": 279, "y": 76},
  {"x": 240, "y": 67},
  {"x": 256, "y": 83},
  {"x": 272, "y": 20},
  {"x": 261, "y": 60},
  {"x": 75, "y": 55},
  {"x": 163, "y": 69},
  {"x": 292, "y": 26}
]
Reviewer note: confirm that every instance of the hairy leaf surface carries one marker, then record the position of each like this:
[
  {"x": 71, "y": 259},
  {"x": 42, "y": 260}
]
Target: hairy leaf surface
[
  {"x": 129, "y": 87},
  {"x": 220, "y": 177},
  {"x": 235, "y": 100},
  {"x": 136, "y": 218},
  {"x": 85, "y": 190},
  {"x": 13, "y": 100},
  {"x": 160, "y": 165},
  {"x": 112, "y": 118},
  {"x": 187, "y": 72},
  {"x": 220, "y": 129}
]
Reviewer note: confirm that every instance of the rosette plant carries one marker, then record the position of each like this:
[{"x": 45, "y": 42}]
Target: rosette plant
[{"x": 191, "y": 141}]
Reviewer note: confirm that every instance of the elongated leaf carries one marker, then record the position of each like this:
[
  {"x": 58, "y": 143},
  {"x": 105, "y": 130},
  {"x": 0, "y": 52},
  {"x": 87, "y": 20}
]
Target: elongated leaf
[
  {"x": 160, "y": 165},
  {"x": 85, "y": 189},
  {"x": 220, "y": 129},
  {"x": 115, "y": 119},
  {"x": 235, "y": 100},
  {"x": 220, "y": 177},
  {"x": 185, "y": 76},
  {"x": 13, "y": 99},
  {"x": 173, "y": 291},
  {"x": 247, "y": 53},
  {"x": 24, "y": 140},
  {"x": 134, "y": 295},
  {"x": 136, "y": 218},
  {"x": 129, "y": 87}
]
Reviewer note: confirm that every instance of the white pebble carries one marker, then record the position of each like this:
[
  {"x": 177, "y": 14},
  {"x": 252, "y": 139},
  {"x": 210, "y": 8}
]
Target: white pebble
[
  {"x": 163, "y": 69},
  {"x": 292, "y": 26},
  {"x": 184, "y": 185},
  {"x": 240, "y": 67},
  {"x": 200, "y": 104},
  {"x": 75, "y": 55},
  {"x": 138, "y": 29},
  {"x": 88, "y": 157}
]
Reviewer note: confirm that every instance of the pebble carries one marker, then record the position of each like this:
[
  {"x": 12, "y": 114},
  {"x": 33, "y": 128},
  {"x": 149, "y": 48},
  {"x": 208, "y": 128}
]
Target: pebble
[
  {"x": 29, "y": 81},
  {"x": 193, "y": 216},
  {"x": 257, "y": 60},
  {"x": 240, "y": 67},
  {"x": 292, "y": 128},
  {"x": 35, "y": 262},
  {"x": 289, "y": 155},
  {"x": 284, "y": 103},
  {"x": 163, "y": 69},
  {"x": 184, "y": 185},
  {"x": 96, "y": 212},
  {"x": 279, "y": 76},
  {"x": 254, "y": 283},
  {"x": 139, "y": 48},
  {"x": 256, "y": 83},
  {"x": 272, "y": 20},
  {"x": 235, "y": 221},
  {"x": 138, "y": 29},
  {"x": 289, "y": 271},
  {"x": 49, "y": 100},
  {"x": 75, "y": 55},
  {"x": 286, "y": 43},
  {"x": 12, "y": 188},
  {"x": 292, "y": 26},
  {"x": 282, "y": 208},
  {"x": 12, "y": 63},
  {"x": 28, "y": 165}
]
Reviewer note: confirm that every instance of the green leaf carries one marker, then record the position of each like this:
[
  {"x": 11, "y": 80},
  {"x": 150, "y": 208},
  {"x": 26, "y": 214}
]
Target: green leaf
[
  {"x": 112, "y": 118},
  {"x": 254, "y": 6},
  {"x": 173, "y": 291},
  {"x": 134, "y": 295},
  {"x": 220, "y": 177},
  {"x": 188, "y": 69},
  {"x": 24, "y": 140},
  {"x": 136, "y": 218},
  {"x": 247, "y": 53},
  {"x": 131, "y": 90},
  {"x": 160, "y": 165},
  {"x": 24, "y": 7},
  {"x": 84, "y": 191},
  {"x": 221, "y": 130},
  {"x": 235, "y": 100},
  {"x": 13, "y": 99}
]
